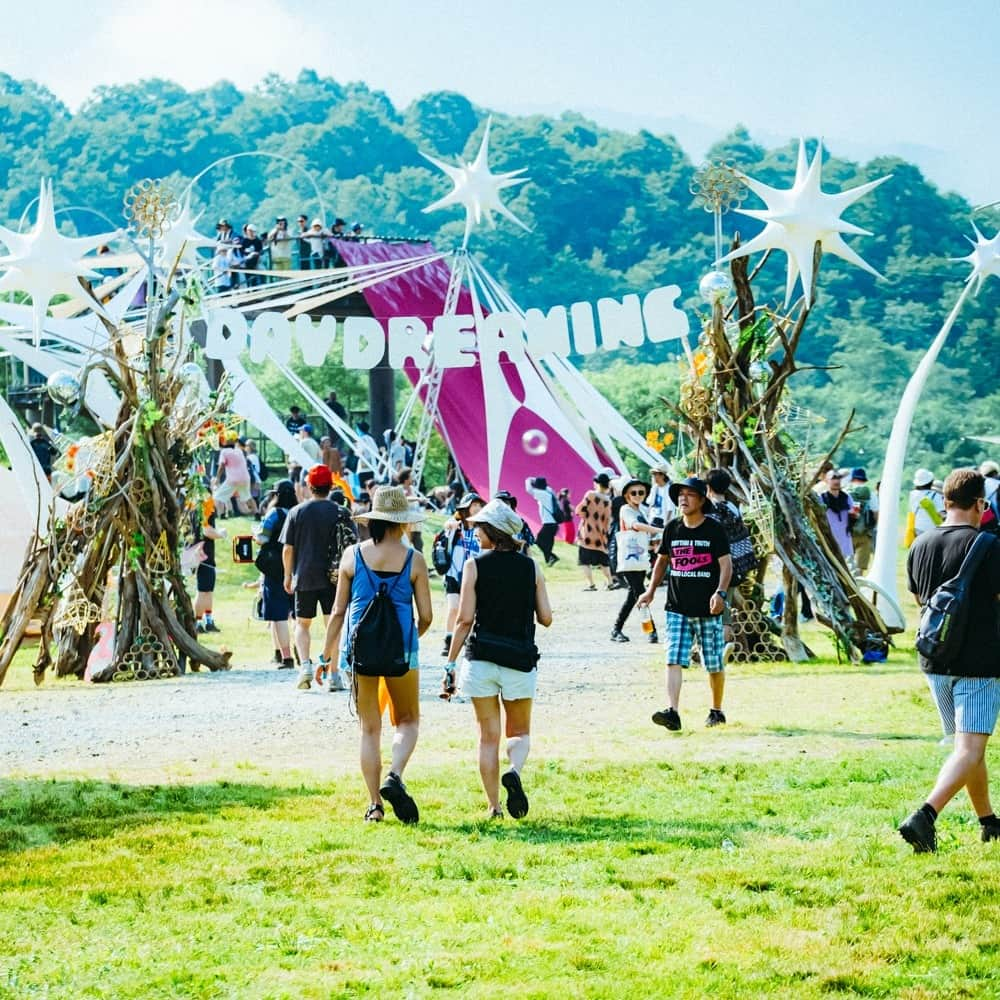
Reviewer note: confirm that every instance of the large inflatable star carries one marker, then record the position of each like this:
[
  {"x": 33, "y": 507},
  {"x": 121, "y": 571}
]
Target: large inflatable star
[
  {"x": 179, "y": 243},
  {"x": 801, "y": 216},
  {"x": 477, "y": 188},
  {"x": 44, "y": 263},
  {"x": 985, "y": 258}
]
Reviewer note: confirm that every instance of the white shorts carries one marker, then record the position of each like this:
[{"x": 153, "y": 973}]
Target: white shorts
[
  {"x": 227, "y": 490},
  {"x": 482, "y": 679}
]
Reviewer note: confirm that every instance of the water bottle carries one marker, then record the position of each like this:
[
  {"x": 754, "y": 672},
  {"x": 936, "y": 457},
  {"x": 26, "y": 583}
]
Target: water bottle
[{"x": 646, "y": 619}]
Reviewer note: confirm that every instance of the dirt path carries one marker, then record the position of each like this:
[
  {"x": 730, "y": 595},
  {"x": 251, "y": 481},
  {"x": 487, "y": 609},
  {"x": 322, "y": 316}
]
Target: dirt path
[{"x": 594, "y": 702}]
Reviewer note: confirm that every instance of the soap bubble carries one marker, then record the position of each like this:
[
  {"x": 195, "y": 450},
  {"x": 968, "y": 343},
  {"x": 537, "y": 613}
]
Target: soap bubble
[{"x": 535, "y": 442}]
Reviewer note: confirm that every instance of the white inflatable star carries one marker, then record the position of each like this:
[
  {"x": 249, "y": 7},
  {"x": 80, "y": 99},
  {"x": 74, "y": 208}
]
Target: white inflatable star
[
  {"x": 181, "y": 240},
  {"x": 477, "y": 188},
  {"x": 44, "y": 263},
  {"x": 985, "y": 258},
  {"x": 801, "y": 216}
]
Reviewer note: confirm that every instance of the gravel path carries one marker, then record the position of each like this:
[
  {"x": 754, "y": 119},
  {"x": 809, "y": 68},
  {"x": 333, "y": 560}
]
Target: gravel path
[
  {"x": 594, "y": 702},
  {"x": 252, "y": 717}
]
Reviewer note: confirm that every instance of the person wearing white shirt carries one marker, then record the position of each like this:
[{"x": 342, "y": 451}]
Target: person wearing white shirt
[
  {"x": 658, "y": 508},
  {"x": 547, "y": 501}
]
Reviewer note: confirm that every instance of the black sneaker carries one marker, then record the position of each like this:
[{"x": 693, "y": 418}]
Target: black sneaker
[
  {"x": 653, "y": 638},
  {"x": 715, "y": 717},
  {"x": 918, "y": 831},
  {"x": 989, "y": 831},
  {"x": 617, "y": 635},
  {"x": 395, "y": 793},
  {"x": 517, "y": 801},
  {"x": 552, "y": 560},
  {"x": 287, "y": 663},
  {"x": 277, "y": 656},
  {"x": 212, "y": 627},
  {"x": 669, "y": 718}
]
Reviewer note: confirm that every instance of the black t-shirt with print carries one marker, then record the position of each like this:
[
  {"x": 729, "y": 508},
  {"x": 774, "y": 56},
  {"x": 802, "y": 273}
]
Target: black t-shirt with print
[
  {"x": 694, "y": 555},
  {"x": 936, "y": 556}
]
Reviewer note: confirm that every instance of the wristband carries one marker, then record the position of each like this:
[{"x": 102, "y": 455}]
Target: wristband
[{"x": 721, "y": 594}]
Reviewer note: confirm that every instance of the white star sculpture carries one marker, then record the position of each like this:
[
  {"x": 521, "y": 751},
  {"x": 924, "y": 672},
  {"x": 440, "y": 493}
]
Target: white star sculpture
[
  {"x": 985, "y": 258},
  {"x": 44, "y": 263},
  {"x": 477, "y": 188},
  {"x": 181, "y": 239},
  {"x": 801, "y": 216}
]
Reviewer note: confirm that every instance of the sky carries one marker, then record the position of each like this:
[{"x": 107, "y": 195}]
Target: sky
[{"x": 914, "y": 78}]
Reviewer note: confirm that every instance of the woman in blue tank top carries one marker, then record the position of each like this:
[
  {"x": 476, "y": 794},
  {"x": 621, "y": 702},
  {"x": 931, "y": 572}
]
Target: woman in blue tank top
[
  {"x": 385, "y": 558},
  {"x": 503, "y": 595}
]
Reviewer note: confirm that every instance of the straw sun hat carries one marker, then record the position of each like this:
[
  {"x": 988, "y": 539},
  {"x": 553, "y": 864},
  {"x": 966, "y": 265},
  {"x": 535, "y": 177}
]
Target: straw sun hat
[
  {"x": 500, "y": 516},
  {"x": 390, "y": 504}
]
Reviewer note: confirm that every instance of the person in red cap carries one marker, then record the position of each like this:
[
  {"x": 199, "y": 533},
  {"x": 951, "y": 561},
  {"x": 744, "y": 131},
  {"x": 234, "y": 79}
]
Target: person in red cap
[{"x": 311, "y": 549}]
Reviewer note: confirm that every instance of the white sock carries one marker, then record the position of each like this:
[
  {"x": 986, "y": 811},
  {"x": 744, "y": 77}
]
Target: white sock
[{"x": 517, "y": 751}]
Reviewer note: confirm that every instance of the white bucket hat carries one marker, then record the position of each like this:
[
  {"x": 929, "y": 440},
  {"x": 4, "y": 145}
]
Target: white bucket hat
[
  {"x": 923, "y": 477},
  {"x": 497, "y": 514},
  {"x": 390, "y": 504}
]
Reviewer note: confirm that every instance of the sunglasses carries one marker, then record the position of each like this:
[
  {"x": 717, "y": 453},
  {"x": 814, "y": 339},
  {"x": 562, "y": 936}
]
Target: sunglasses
[{"x": 636, "y": 493}]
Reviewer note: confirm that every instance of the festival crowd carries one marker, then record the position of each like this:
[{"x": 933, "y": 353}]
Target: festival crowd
[{"x": 337, "y": 543}]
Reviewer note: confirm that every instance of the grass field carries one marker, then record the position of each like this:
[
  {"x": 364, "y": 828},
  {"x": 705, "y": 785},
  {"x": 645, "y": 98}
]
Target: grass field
[{"x": 759, "y": 860}]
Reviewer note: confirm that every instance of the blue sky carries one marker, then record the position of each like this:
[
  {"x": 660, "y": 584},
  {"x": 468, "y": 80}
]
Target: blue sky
[{"x": 915, "y": 78}]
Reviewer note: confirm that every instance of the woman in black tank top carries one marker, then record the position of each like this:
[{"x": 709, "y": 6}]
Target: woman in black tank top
[{"x": 502, "y": 596}]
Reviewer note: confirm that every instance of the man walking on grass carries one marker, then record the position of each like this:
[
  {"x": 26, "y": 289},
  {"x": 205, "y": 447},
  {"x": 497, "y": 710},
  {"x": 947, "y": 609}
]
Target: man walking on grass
[
  {"x": 966, "y": 690},
  {"x": 695, "y": 552}
]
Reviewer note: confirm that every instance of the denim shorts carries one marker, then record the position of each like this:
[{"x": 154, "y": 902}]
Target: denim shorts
[
  {"x": 966, "y": 704},
  {"x": 482, "y": 679}
]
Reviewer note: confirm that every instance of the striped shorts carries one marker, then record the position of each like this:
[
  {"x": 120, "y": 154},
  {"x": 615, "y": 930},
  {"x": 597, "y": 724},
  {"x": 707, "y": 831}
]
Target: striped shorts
[
  {"x": 682, "y": 631},
  {"x": 966, "y": 704}
]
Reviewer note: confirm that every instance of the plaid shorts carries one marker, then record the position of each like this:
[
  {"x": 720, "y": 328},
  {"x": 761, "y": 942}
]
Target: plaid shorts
[{"x": 683, "y": 631}]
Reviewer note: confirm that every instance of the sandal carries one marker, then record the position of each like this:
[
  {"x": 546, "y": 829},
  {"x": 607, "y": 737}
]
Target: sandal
[
  {"x": 494, "y": 813},
  {"x": 591, "y": 587},
  {"x": 375, "y": 813},
  {"x": 447, "y": 686}
]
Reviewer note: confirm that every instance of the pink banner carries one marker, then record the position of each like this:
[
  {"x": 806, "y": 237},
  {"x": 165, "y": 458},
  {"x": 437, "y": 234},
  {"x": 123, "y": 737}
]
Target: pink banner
[{"x": 461, "y": 405}]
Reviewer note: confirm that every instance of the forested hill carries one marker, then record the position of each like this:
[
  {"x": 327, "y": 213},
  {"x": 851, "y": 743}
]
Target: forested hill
[{"x": 610, "y": 212}]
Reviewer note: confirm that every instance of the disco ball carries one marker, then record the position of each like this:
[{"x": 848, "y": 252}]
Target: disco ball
[
  {"x": 535, "y": 442},
  {"x": 63, "y": 387},
  {"x": 715, "y": 287},
  {"x": 194, "y": 386}
]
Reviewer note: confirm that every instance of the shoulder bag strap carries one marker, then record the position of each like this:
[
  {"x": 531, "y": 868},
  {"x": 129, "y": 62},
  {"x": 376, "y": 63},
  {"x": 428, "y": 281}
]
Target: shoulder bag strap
[{"x": 975, "y": 555}]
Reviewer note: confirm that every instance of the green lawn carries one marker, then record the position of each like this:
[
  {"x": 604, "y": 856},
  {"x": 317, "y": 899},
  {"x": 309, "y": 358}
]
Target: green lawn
[{"x": 760, "y": 860}]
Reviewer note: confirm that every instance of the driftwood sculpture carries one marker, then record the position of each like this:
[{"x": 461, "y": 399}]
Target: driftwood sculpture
[
  {"x": 735, "y": 406},
  {"x": 110, "y": 570}
]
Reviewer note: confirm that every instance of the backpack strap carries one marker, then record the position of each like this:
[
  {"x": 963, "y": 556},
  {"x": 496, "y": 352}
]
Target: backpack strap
[
  {"x": 927, "y": 505},
  {"x": 977, "y": 552}
]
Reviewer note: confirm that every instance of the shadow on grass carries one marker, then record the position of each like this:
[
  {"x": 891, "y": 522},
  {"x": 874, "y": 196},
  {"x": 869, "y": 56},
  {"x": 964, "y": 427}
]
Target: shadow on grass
[
  {"x": 847, "y": 734},
  {"x": 641, "y": 835},
  {"x": 34, "y": 813}
]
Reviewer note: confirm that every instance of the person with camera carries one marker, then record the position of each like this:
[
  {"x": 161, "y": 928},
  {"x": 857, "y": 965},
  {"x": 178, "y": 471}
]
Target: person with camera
[
  {"x": 280, "y": 242},
  {"x": 965, "y": 686},
  {"x": 502, "y": 597}
]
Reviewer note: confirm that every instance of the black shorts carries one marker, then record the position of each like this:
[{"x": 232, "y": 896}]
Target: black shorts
[
  {"x": 591, "y": 557},
  {"x": 451, "y": 585},
  {"x": 307, "y": 600},
  {"x": 205, "y": 575}
]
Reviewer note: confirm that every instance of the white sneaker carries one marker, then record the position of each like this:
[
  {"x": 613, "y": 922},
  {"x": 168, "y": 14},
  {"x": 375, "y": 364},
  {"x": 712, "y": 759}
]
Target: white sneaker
[
  {"x": 727, "y": 652},
  {"x": 305, "y": 675},
  {"x": 335, "y": 681}
]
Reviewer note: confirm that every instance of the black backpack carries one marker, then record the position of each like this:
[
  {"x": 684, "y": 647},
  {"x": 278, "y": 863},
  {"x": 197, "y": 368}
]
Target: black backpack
[
  {"x": 375, "y": 647},
  {"x": 560, "y": 516},
  {"x": 268, "y": 560},
  {"x": 441, "y": 552},
  {"x": 740, "y": 543},
  {"x": 941, "y": 631}
]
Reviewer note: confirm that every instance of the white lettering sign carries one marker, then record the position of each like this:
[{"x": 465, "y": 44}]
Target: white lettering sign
[{"x": 454, "y": 341}]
